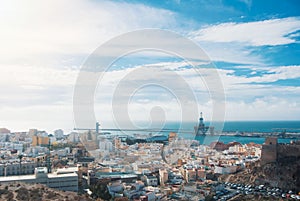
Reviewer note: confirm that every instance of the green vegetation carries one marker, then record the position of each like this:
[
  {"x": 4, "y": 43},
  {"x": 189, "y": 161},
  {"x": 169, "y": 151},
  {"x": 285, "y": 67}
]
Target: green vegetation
[{"x": 100, "y": 190}]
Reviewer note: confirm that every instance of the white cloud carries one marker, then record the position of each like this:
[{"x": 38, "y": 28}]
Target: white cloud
[
  {"x": 270, "y": 74},
  {"x": 265, "y": 108},
  {"x": 35, "y": 30},
  {"x": 255, "y": 101},
  {"x": 38, "y": 37},
  {"x": 259, "y": 33},
  {"x": 29, "y": 76}
]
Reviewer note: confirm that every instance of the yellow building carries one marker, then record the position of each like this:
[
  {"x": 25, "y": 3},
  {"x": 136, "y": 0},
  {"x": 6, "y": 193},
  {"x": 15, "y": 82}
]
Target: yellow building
[
  {"x": 172, "y": 136},
  {"x": 40, "y": 141}
]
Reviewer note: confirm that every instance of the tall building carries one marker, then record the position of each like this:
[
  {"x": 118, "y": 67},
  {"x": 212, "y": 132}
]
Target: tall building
[
  {"x": 73, "y": 137},
  {"x": 32, "y": 132},
  {"x": 117, "y": 143},
  {"x": 163, "y": 176},
  {"x": 172, "y": 136},
  {"x": 59, "y": 134},
  {"x": 40, "y": 141},
  {"x": 105, "y": 145}
]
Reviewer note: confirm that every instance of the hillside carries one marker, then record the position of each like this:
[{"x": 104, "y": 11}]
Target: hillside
[
  {"x": 36, "y": 192},
  {"x": 284, "y": 174}
]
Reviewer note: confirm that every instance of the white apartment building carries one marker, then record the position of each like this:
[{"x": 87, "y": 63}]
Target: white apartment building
[
  {"x": 13, "y": 168},
  {"x": 62, "y": 179}
]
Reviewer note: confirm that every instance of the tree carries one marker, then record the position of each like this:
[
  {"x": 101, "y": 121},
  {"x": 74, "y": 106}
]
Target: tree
[
  {"x": 130, "y": 141},
  {"x": 100, "y": 190},
  {"x": 20, "y": 162}
]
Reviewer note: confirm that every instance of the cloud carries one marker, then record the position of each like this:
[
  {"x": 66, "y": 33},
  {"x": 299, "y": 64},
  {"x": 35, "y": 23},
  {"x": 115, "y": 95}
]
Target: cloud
[
  {"x": 264, "y": 108},
  {"x": 35, "y": 30},
  {"x": 269, "y": 74},
  {"x": 53, "y": 98},
  {"x": 259, "y": 33},
  {"x": 231, "y": 53},
  {"x": 240, "y": 91},
  {"x": 43, "y": 45}
]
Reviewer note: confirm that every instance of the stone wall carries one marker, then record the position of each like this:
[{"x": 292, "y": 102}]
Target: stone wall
[
  {"x": 285, "y": 151},
  {"x": 268, "y": 154},
  {"x": 272, "y": 152}
]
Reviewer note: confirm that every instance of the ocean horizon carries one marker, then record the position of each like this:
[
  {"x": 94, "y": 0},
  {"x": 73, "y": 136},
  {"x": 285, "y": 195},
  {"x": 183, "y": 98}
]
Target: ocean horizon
[
  {"x": 291, "y": 126},
  {"x": 186, "y": 130}
]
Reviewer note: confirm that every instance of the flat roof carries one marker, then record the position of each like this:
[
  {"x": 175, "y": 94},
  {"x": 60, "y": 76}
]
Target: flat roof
[
  {"x": 17, "y": 178},
  {"x": 51, "y": 175},
  {"x": 66, "y": 170},
  {"x": 32, "y": 177}
]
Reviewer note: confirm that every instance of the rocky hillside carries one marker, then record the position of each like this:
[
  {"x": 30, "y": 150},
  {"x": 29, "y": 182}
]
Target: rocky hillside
[
  {"x": 36, "y": 192},
  {"x": 284, "y": 174}
]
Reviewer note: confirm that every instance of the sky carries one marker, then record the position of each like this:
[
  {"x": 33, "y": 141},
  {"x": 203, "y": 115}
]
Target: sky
[{"x": 253, "y": 44}]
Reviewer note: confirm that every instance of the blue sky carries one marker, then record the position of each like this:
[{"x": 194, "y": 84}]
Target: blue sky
[{"x": 253, "y": 44}]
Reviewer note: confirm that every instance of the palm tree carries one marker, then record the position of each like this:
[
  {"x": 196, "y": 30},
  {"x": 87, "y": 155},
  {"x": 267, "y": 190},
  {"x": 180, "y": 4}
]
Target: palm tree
[{"x": 20, "y": 162}]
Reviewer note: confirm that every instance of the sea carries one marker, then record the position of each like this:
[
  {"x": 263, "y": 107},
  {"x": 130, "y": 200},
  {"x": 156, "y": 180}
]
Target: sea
[{"x": 185, "y": 130}]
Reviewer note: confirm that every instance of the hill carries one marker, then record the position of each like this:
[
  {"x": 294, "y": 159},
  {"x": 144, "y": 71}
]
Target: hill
[
  {"x": 284, "y": 174},
  {"x": 36, "y": 192}
]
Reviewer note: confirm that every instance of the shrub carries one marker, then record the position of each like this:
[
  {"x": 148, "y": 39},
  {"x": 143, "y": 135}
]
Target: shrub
[{"x": 23, "y": 194}]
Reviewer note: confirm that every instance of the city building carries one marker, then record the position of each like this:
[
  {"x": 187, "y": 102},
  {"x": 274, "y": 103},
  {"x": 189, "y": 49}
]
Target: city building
[
  {"x": 105, "y": 145},
  {"x": 73, "y": 137},
  {"x": 64, "y": 179},
  {"x": 15, "y": 168},
  {"x": 4, "y": 131},
  {"x": 59, "y": 134},
  {"x": 172, "y": 136},
  {"x": 225, "y": 169},
  {"x": 40, "y": 141},
  {"x": 151, "y": 181},
  {"x": 32, "y": 132},
  {"x": 163, "y": 176}
]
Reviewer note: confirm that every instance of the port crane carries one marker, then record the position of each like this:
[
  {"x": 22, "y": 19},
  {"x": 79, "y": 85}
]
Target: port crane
[{"x": 282, "y": 131}]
